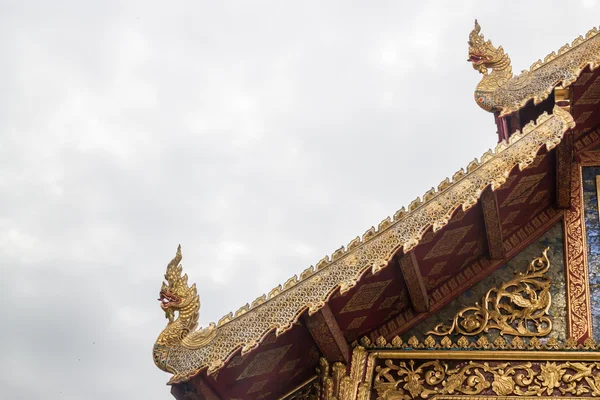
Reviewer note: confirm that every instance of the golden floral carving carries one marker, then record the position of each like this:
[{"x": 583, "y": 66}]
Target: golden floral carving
[
  {"x": 500, "y": 91},
  {"x": 284, "y": 305},
  {"x": 550, "y": 377},
  {"x": 579, "y": 314},
  {"x": 407, "y": 380},
  {"x": 518, "y": 307}
]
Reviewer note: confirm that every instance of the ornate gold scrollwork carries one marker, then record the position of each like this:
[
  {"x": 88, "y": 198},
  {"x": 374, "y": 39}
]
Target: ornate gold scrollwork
[
  {"x": 407, "y": 380},
  {"x": 518, "y": 307}
]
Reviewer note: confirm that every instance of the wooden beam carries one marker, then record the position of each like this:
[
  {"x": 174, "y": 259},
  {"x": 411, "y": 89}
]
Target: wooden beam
[
  {"x": 564, "y": 158},
  {"x": 204, "y": 389},
  {"x": 184, "y": 391},
  {"x": 493, "y": 227},
  {"x": 328, "y": 336},
  {"x": 414, "y": 282},
  {"x": 196, "y": 389}
]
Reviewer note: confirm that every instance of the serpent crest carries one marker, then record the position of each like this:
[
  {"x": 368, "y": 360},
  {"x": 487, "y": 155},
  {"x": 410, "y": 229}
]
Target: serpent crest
[
  {"x": 181, "y": 305},
  {"x": 500, "y": 91}
]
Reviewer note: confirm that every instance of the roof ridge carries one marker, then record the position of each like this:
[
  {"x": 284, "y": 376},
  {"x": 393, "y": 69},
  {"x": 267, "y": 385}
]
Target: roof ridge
[
  {"x": 399, "y": 215},
  {"x": 563, "y": 50},
  {"x": 284, "y": 304}
]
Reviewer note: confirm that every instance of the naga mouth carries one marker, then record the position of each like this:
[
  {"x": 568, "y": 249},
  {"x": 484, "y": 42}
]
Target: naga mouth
[
  {"x": 168, "y": 299},
  {"x": 476, "y": 58}
]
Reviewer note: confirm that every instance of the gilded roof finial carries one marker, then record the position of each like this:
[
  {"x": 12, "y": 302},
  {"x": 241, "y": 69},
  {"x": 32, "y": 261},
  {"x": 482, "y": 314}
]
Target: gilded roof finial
[{"x": 484, "y": 56}]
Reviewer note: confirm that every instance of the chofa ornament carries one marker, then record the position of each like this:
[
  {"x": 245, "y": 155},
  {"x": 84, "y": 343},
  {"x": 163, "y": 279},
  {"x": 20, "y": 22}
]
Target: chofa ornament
[
  {"x": 177, "y": 297},
  {"x": 518, "y": 307},
  {"x": 500, "y": 91}
]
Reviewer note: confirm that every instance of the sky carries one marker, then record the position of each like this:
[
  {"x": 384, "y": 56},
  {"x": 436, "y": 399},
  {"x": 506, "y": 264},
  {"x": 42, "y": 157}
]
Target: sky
[{"x": 259, "y": 135}]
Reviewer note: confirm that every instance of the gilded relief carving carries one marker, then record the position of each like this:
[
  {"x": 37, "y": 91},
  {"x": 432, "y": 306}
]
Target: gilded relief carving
[
  {"x": 412, "y": 380},
  {"x": 576, "y": 261},
  {"x": 518, "y": 307}
]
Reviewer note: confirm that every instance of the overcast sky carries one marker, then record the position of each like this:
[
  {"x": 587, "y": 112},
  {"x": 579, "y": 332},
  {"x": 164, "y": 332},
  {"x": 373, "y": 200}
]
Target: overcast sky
[{"x": 260, "y": 135}]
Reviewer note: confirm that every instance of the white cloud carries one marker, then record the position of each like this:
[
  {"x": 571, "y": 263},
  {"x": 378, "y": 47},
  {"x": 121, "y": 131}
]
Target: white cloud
[{"x": 258, "y": 143}]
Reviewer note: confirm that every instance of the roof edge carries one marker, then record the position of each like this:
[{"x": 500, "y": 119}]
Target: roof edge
[{"x": 283, "y": 306}]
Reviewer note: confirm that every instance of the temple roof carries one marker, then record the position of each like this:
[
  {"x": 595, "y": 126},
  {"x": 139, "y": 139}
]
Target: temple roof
[{"x": 364, "y": 264}]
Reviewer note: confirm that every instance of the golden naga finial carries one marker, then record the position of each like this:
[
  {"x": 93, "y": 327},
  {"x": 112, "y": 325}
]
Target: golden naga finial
[
  {"x": 500, "y": 91},
  {"x": 484, "y": 56},
  {"x": 177, "y": 296}
]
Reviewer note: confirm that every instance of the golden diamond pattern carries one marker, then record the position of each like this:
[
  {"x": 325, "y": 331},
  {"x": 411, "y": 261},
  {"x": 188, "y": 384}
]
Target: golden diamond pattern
[
  {"x": 459, "y": 215},
  {"x": 448, "y": 242},
  {"x": 365, "y": 296},
  {"x": 509, "y": 181},
  {"x": 539, "y": 196},
  {"x": 583, "y": 117},
  {"x": 591, "y": 95},
  {"x": 523, "y": 190},
  {"x": 467, "y": 247},
  {"x": 290, "y": 365},
  {"x": 356, "y": 322},
  {"x": 510, "y": 217},
  {"x": 537, "y": 161},
  {"x": 264, "y": 362},
  {"x": 257, "y": 386},
  {"x": 437, "y": 268},
  {"x": 427, "y": 237},
  {"x": 387, "y": 302},
  {"x": 237, "y": 360}
]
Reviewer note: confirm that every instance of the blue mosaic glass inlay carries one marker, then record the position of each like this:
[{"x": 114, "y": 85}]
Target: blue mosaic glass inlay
[{"x": 592, "y": 235}]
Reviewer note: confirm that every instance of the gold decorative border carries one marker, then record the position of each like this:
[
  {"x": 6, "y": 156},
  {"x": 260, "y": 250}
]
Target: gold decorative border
[
  {"x": 516, "y": 374},
  {"x": 464, "y": 343},
  {"x": 598, "y": 195},
  {"x": 578, "y": 292},
  {"x": 430, "y": 370},
  {"x": 451, "y": 370}
]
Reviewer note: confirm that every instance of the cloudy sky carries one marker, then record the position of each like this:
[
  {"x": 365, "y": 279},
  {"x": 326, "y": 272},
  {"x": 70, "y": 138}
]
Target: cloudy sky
[{"x": 260, "y": 135}]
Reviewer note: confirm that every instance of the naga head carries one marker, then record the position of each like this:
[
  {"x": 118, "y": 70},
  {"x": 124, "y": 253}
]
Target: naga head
[
  {"x": 483, "y": 55},
  {"x": 175, "y": 294}
]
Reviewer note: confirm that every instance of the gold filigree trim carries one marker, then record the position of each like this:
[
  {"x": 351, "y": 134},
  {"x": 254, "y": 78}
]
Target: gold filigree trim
[
  {"x": 283, "y": 306},
  {"x": 518, "y": 307},
  {"x": 482, "y": 343}
]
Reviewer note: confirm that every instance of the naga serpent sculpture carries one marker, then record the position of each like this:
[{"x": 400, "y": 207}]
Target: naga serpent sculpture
[
  {"x": 500, "y": 91},
  {"x": 176, "y": 296}
]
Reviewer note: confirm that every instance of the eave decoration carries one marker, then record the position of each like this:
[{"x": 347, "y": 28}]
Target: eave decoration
[
  {"x": 500, "y": 91},
  {"x": 184, "y": 351},
  {"x": 526, "y": 366},
  {"x": 518, "y": 307}
]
